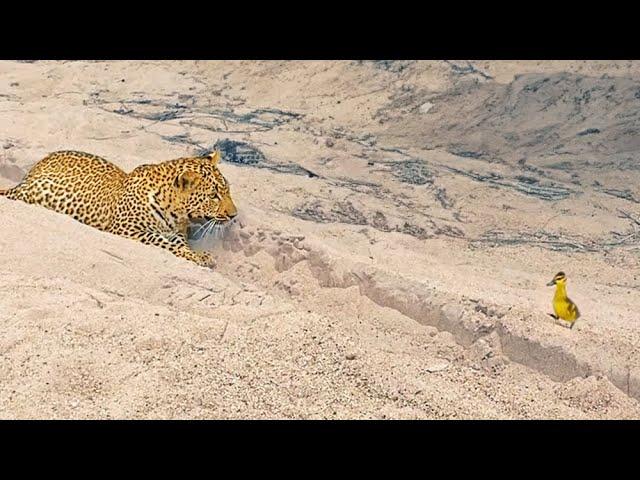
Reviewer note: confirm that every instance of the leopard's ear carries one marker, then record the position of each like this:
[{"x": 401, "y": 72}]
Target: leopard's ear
[
  {"x": 214, "y": 156},
  {"x": 187, "y": 180}
]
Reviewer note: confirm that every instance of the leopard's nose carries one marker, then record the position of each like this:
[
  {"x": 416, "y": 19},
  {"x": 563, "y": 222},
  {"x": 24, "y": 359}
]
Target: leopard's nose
[{"x": 232, "y": 211}]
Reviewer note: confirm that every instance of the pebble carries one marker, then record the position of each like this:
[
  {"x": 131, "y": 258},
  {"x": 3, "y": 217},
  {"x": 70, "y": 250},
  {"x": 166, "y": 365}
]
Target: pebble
[
  {"x": 350, "y": 356},
  {"x": 437, "y": 366},
  {"x": 425, "y": 107}
]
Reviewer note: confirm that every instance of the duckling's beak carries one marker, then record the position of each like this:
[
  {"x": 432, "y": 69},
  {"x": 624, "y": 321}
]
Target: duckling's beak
[{"x": 551, "y": 283}]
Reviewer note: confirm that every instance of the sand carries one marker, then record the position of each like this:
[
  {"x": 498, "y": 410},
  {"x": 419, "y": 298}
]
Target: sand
[{"x": 398, "y": 223}]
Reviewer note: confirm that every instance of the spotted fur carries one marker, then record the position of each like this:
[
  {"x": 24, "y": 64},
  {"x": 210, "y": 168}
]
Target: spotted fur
[{"x": 152, "y": 204}]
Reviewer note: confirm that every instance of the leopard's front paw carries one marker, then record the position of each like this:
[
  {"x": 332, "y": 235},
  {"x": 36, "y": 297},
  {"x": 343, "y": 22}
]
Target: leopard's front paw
[{"x": 205, "y": 259}]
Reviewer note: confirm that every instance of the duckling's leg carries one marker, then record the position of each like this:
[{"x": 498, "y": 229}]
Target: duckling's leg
[{"x": 555, "y": 318}]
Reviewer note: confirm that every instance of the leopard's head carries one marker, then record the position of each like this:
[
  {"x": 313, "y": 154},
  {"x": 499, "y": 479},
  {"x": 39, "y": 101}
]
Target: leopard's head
[{"x": 208, "y": 194}]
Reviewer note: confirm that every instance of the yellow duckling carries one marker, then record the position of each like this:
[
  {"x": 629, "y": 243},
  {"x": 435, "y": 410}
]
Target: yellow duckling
[{"x": 563, "y": 307}]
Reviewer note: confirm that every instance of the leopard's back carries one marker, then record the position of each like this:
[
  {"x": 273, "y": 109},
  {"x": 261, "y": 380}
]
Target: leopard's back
[{"x": 81, "y": 185}]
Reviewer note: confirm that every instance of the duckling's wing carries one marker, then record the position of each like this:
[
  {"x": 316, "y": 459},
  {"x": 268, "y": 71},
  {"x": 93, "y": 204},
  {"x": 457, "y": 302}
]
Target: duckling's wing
[{"x": 573, "y": 309}]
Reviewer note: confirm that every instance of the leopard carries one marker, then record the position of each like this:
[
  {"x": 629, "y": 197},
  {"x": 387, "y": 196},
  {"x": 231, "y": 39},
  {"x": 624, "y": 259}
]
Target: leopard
[{"x": 153, "y": 204}]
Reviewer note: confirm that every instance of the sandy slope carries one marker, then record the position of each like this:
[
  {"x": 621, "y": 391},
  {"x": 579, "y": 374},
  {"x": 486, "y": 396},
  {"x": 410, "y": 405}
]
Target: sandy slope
[{"x": 386, "y": 263}]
